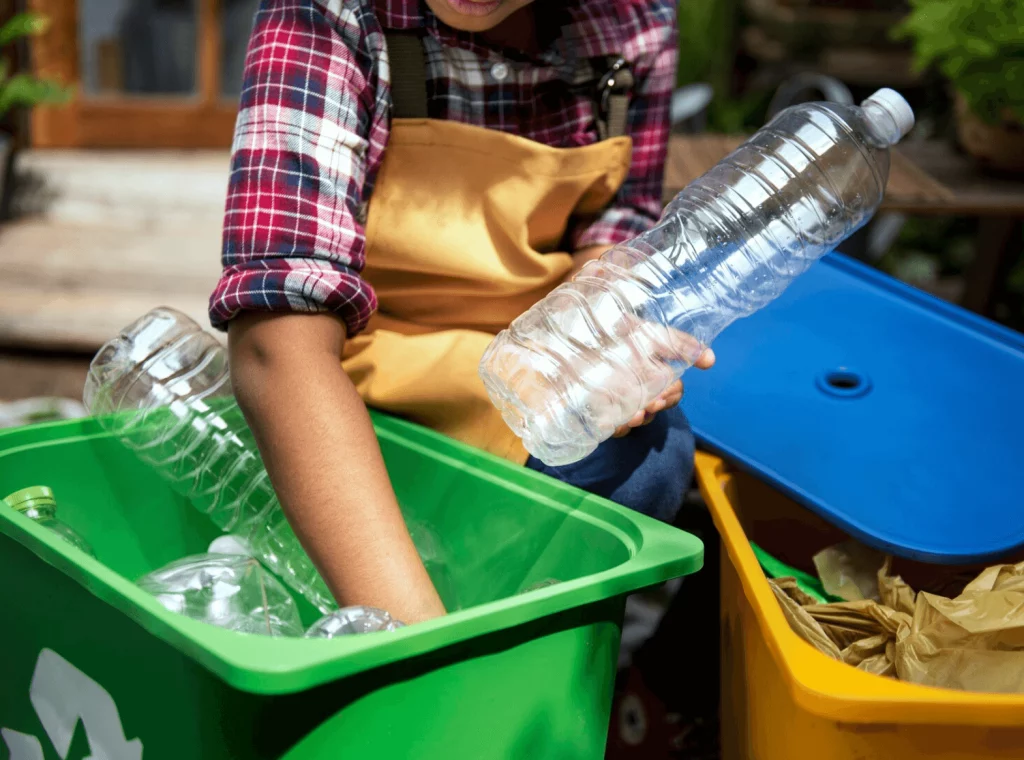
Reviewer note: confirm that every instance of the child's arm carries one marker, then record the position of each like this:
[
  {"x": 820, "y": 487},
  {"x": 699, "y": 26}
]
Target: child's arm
[
  {"x": 308, "y": 141},
  {"x": 322, "y": 455}
]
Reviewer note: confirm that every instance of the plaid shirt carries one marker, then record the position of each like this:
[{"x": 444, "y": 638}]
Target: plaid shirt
[{"x": 314, "y": 121}]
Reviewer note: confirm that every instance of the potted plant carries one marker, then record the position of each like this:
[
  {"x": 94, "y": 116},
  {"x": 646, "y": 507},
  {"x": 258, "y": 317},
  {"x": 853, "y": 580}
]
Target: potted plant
[
  {"x": 978, "y": 45},
  {"x": 20, "y": 90}
]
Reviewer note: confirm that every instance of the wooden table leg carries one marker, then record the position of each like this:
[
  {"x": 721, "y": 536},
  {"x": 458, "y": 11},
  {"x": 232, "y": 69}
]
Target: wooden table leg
[{"x": 995, "y": 253}]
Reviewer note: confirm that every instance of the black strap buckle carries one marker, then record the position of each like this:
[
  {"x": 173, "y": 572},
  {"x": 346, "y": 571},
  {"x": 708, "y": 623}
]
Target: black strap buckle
[{"x": 618, "y": 80}]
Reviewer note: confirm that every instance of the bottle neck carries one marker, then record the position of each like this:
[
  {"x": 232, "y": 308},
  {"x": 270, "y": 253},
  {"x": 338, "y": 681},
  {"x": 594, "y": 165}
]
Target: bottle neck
[
  {"x": 883, "y": 122},
  {"x": 38, "y": 510},
  {"x": 890, "y": 114}
]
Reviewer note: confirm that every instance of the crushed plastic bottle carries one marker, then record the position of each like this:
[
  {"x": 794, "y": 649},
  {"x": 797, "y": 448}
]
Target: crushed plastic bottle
[
  {"x": 162, "y": 387},
  {"x": 38, "y": 503},
  {"x": 231, "y": 591},
  {"x": 230, "y": 544},
  {"x": 599, "y": 349},
  {"x": 349, "y": 621}
]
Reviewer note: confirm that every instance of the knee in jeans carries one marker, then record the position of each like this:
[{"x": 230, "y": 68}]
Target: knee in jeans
[
  {"x": 648, "y": 471},
  {"x": 660, "y": 494},
  {"x": 658, "y": 486}
]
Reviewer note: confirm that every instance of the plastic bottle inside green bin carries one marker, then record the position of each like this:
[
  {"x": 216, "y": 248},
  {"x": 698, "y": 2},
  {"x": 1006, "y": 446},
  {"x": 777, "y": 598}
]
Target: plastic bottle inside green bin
[
  {"x": 162, "y": 387},
  {"x": 232, "y": 591},
  {"x": 38, "y": 504},
  {"x": 351, "y": 621}
]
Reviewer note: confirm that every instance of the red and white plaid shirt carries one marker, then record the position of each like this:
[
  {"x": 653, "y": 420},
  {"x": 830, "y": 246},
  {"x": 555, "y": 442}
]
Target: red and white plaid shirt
[{"x": 315, "y": 117}]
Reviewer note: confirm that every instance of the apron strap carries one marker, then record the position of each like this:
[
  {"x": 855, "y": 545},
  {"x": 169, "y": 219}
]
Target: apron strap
[
  {"x": 614, "y": 89},
  {"x": 408, "y": 74}
]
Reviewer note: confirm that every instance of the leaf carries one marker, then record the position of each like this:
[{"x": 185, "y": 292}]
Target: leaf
[
  {"x": 743, "y": 114},
  {"x": 978, "y": 45},
  {"x": 22, "y": 25},
  {"x": 26, "y": 90},
  {"x": 980, "y": 48}
]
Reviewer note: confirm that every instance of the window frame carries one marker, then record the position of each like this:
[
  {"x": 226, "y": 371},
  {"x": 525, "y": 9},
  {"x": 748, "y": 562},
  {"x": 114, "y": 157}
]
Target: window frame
[{"x": 205, "y": 120}]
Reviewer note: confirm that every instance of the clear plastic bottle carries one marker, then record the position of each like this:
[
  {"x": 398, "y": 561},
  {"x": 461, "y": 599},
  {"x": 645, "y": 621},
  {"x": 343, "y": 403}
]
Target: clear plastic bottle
[
  {"x": 349, "y": 621},
  {"x": 38, "y": 503},
  {"x": 162, "y": 387},
  {"x": 231, "y": 591},
  {"x": 597, "y": 350}
]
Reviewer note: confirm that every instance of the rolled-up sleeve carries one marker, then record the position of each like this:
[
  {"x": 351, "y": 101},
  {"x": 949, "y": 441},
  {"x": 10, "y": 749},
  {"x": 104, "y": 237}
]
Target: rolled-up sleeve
[
  {"x": 293, "y": 237},
  {"x": 637, "y": 206}
]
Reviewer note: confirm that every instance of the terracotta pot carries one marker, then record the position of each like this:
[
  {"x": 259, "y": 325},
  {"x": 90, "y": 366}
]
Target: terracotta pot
[{"x": 998, "y": 147}]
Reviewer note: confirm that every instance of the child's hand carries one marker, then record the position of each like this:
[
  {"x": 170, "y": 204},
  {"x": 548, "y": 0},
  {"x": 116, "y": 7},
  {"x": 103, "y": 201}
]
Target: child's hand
[{"x": 666, "y": 399}]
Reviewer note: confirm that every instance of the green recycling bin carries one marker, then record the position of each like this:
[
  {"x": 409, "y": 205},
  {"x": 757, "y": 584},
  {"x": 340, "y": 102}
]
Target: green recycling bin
[{"x": 94, "y": 667}]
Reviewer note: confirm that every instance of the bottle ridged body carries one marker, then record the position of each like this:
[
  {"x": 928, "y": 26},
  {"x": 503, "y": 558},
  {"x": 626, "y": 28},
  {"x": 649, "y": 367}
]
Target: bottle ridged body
[
  {"x": 163, "y": 388},
  {"x": 600, "y": 348},
  {"x": 229, "y": 591}
]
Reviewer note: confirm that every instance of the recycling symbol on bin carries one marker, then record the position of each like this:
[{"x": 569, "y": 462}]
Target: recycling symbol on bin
[{"x": 63, "y": 695}]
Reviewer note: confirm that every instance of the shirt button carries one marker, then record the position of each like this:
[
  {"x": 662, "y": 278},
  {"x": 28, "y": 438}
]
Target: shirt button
[{"x": 499, "y": 71}]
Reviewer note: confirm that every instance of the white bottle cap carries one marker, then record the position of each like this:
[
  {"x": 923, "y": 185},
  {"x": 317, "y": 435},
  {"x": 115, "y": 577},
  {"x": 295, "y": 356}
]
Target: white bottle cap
[
  {"x": 896, "y": 106},
  {"x": 230, "y": 545}
]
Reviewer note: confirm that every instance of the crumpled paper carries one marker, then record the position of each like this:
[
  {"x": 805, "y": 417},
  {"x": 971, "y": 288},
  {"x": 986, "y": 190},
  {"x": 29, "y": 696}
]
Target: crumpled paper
[{"x": 973, "y": 642}]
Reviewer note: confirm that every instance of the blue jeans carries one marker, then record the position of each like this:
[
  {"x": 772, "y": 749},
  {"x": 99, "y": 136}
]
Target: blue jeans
[{"x": 648, "y": 470}]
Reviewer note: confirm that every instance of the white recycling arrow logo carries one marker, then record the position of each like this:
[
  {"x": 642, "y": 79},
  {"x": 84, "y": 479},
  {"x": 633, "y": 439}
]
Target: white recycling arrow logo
[
  {"x": 22, "y": 746},
  {"x": 62, "y": 695}
]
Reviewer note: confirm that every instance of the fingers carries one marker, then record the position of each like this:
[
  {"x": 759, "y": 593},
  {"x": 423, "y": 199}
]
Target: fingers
[
  {"x": 685, "y": 347},
  {"x": 670, "y": 345},
  {"x": 669, "y": 397},
  {"x": 636, "y": 420},
  {"x": 706, "y": 360}
]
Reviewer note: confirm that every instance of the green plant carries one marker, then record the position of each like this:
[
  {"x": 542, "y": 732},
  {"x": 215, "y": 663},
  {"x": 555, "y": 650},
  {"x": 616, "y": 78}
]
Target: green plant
[
  {"x": 706, "y": 29},
  {"x": 739, "y": 114},
  {"x": 978, "y": 45},
  {"x": 707, "y": 50},
  {"x": 23, "y": 89}
]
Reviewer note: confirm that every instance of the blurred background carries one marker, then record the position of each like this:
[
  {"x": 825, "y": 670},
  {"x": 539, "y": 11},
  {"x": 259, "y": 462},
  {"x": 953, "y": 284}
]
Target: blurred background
[{"x": 111, "y": 195}]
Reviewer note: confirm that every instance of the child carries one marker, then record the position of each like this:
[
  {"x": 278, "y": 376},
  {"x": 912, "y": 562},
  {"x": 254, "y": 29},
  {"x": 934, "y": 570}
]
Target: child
[{"x": 404, "y": 178}]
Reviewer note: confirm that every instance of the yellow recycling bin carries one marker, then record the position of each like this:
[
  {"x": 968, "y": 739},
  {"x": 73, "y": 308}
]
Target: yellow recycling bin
[{"x": 784, "y": 700}]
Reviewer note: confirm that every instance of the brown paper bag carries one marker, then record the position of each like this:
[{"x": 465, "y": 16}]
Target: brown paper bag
[
  {"x": 973, "y": 642},
  {"x": 799, "y": 619},
  {"x": 857, "y": 633}
]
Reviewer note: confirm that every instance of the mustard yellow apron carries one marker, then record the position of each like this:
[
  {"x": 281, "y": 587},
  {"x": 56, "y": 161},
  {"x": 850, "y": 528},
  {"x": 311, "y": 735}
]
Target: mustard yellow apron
[{"x": 460, "y": 234}]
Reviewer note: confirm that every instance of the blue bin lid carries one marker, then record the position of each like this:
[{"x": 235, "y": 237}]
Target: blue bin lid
[{"x": 890, "y": 413}]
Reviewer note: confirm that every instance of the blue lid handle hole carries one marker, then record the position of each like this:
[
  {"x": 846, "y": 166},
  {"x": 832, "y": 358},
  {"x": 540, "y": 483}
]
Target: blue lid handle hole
[{"x": 844, "y": 383}]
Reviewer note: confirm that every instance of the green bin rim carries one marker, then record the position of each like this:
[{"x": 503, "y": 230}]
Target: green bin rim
[{"x": 264, "y": 665}]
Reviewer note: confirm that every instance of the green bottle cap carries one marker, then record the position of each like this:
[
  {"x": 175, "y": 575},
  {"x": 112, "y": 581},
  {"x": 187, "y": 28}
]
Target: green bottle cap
[{"x": 33, "y": 497}]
